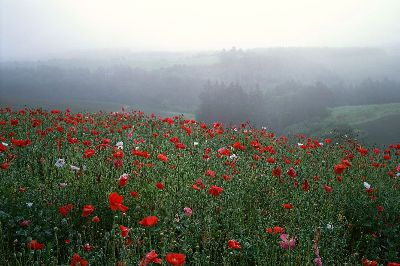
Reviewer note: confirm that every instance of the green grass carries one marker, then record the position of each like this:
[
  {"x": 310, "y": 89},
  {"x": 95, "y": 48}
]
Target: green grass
[
  {"x": 373, "y": 124},
  {"x": 358, "y": 114}
]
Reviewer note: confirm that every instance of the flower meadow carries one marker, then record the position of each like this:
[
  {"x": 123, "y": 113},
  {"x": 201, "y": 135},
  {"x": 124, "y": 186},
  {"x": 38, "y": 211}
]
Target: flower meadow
[{"x": 126, "y": 188}]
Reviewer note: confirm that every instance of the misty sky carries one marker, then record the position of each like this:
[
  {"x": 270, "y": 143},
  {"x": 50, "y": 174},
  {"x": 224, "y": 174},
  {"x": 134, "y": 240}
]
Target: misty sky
[{"x": 31, "y": 29}]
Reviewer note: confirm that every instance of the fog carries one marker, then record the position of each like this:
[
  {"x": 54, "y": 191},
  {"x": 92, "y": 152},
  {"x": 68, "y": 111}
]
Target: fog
[
  {"x": 322, "y": 68},
  {"x": 36, "y": 28}
]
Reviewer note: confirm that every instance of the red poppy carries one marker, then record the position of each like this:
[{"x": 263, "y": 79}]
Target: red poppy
[
  {"x": 64, "y": 210},
  {"x": 134, "y": 194},
  {"x": 233, "y": 244},
  {"x": 123, "y": 180},
  {"x": 160, "y": 185},
  {"x": 287, "y": 206},
  {"x": 277, "y": 172},
  {"x": 339, "y": 168},
  {"x": 151, "y": 257},
  {"x": 115, "y": 201},
  {"x": 215, "y": 191},
  {"x": 210, "y": 173},
  {"x": 291, "y": 172},
  {"x": 175, "y": 259},
  {"x": 88, "y": 153},
  {"x": 366, "y": 262},
  {"x": 87, "y": 210},
  {"x": 35, "y": 245},
  {"x": 124, "y": 231},
  {"x": 78, "y": 261},
  {"x": 393, "y": 264},
  {"x": 149, "y": 221},
  {"x": 328, "y": 188},
  {"x": 162, "y": 157},
  {"x": 96, "y": 219}
]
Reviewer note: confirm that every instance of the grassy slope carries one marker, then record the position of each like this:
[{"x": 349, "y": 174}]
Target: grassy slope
[{"x": 374, "y": 123}]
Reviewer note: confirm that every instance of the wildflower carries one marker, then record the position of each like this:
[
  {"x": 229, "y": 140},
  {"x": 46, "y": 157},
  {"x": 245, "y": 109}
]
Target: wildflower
[
  {"x": 151, "y": 257},
  {"x": 287, "y": 206},
  {"x": 215, "y": 191},
  {"x": 115, "y": 201},
  {"x": 87, "y": 210},
  {"x": 29, "y": 204},
  {"x": 123, "y": 180},
  {"x": 366, "y": 262},
  {"x": 329, "y": 226},
  {"x": 64, "y": 210},
  {"x": 287, "y": 243},
  {"x": 176, "y": 259},
  {"x": 162, "y": 157},
  {"x": 188, "y": 211},
  {"x": 327, "y": 188},
  {"x": 60, "y": 163},
  {"x": 88, "y": 153},
  {"x": 96, "y": 219},
  {"x": 35, "y": 245},
  {"x": 78, "y": 261},
  {"x": 124, "y": 231},
  {"x": 160, "y": 185},
  {"x": 366, "y": 185},
  {"x": 149, "y": 221},
  {"x": 233, "y": 244},
  {"x": 87, "y": 247}
]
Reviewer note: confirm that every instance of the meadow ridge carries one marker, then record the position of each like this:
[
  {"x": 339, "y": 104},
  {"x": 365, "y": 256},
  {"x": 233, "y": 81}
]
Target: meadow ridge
[{"x": 126, "y": 188}]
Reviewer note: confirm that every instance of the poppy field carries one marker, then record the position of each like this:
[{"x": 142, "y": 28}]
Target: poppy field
[{"x": 126, "y": 188}]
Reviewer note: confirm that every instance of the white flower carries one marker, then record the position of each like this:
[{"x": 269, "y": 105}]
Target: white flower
[
  {"x": 195, "y": 143},
  {"x": 321, "y": 143},
  {"x": 119, "y": 143},
  {"x": 62, "y": 185},
  {"x": 398, "y": 174},
  {"x": 264, "y": 128},
  {"x": 5, "y": 144},
  {"x": 29, "y": 204},
  {"x": 233, "y": 156},
  {"x": 60, "y": 163},
  {"x": 300, "y": 144},
  {"x": 329, "y": 226},
  {"x": 75, "y": 168},
  {"x": 366, "y": 185}
]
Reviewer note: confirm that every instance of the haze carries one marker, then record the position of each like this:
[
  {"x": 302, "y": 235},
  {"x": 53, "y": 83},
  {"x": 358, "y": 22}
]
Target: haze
[{"x": 36, "y": 29}]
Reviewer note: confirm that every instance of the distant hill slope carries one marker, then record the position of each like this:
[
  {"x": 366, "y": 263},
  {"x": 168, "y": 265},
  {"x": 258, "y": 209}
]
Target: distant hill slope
[{"x": 375, "y": 124}]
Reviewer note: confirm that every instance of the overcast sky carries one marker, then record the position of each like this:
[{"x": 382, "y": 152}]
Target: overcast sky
[{"x": 31, "y": 29}]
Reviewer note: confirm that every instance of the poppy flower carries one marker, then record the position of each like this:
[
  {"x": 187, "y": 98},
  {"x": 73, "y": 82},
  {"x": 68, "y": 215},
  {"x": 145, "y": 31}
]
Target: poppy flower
[
  {"x": 160, "y": 185},
  {"x": 149, "y": 221},
  {"x": 64, "y": 210},
  {"x": 78, "y": 261},
  {"x": 124, "y": 231},
  {"x": 87, "y": 210},
  {"x": 339, "y": 168},
  {"x": 233, "y": 244},
  {"x": 175, "y": 259},
  {"x": 115, "y": 201},
  {"x": 35, "y": 245},
  {"x": 287, "y": 206},
  {"x": 162, "y": 157},
  {"x": 151, "y": 257},
  {"x": 277, "y": 172},
  {"x": 366, "y": 262},
  {"x": 215, "y": 191},
  {"x": 291, "y": 172},
  {"x": 123, "y": 180},
  {"x": 88, "y": 153},
  {"x": 328, "y": 188},
  {"x": 96, "y": 219}
]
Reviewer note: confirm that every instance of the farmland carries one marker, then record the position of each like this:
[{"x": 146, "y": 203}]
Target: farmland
[{"x": 126, "y": 188}]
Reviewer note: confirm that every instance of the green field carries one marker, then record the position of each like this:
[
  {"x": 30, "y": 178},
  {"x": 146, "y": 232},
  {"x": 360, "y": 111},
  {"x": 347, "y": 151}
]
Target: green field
[{"x": 374, "y": 124}]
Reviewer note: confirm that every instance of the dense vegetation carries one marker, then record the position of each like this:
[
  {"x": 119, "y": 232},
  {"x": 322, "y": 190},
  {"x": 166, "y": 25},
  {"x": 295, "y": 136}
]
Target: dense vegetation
[{"x": 130, "y": 189}]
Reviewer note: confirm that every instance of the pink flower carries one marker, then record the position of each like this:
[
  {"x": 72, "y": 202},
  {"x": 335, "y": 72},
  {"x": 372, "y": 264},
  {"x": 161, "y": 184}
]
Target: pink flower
[
  {"x": 287, "y": 243},
  {"x": 188, "y": 211}
]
